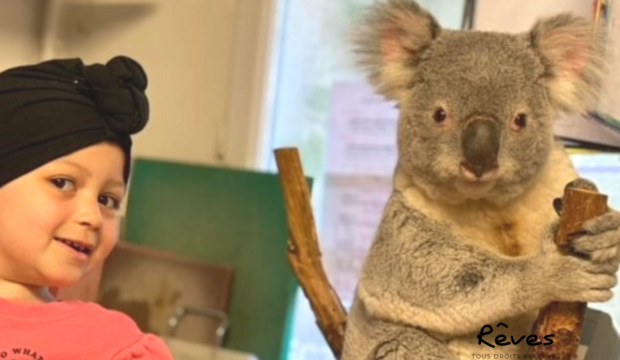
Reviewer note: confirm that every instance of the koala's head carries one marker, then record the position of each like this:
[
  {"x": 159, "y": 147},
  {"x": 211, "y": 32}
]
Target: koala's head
[{"x": 477, "y": 108}]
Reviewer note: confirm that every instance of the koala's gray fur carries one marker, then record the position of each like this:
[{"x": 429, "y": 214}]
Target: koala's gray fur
[{"x": 466, "y": 238}]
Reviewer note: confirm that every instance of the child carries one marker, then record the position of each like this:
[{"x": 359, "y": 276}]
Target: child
[{"x": 64, "y": 164}]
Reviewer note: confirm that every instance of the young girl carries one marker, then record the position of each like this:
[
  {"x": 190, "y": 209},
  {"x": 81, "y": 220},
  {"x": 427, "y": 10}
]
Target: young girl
[{"x": 64, "y": 164}]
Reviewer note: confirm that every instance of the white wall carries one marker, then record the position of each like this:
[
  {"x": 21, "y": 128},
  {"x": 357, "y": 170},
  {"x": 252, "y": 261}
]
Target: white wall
[
  {"x": 520, "y": 15},
  {"x": 204, "y": 58},
  {"x": 20, "y": 26},
  {"x": 252, "y": 84}
]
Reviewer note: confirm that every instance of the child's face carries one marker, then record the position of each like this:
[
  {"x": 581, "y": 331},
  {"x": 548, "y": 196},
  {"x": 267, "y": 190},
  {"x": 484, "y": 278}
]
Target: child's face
[{"x": 74, "y": 198}]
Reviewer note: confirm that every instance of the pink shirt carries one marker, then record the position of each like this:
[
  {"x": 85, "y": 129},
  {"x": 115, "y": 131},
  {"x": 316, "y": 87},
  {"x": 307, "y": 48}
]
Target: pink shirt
[{"x": 73, "y": 330}]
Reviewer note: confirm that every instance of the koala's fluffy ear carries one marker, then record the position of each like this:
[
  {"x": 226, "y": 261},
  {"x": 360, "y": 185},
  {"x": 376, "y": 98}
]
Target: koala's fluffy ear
[
  {"x": 572, "y": 51},
  {"x": 387, "y": 41}
]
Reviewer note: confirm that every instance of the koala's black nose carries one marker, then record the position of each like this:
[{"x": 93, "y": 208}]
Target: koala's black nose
[{"x": 480, "y": 142}]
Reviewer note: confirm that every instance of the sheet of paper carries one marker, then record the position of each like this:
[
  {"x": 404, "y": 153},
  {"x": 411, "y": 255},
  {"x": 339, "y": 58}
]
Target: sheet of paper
[
  {"x": 353, "y": 210},
  {"x": 362, "y": 136}
]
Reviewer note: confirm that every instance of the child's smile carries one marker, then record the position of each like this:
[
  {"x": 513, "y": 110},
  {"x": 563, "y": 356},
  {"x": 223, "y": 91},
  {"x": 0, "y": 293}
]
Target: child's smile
[
  {"x": 79, "y": 248},
  {"x": 61, "y": 219}
]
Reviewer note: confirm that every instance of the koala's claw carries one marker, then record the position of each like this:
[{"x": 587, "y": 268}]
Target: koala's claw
[
  {"x": 575, "y": 235},
  {"x": 590, "y": 243},
  {"x": 597, "y": 295},
  {"x": 581, "y": 183},
  {"x": 610, "y": 221},
  {"x": 557, "y": 205},
  {"x": 607, "y": 268},
  {"x": 599, "y": 239},
  {"x": 599, "y": 249}
]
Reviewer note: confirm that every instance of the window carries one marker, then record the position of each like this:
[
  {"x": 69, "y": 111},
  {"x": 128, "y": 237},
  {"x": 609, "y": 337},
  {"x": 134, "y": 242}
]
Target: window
[{"x": 317, "y": 89}]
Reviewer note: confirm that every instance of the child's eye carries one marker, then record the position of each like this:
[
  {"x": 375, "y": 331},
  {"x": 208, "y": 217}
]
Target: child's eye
[
  {"x": 110, "y": 202},
  {"x": 64, "y": 184}
]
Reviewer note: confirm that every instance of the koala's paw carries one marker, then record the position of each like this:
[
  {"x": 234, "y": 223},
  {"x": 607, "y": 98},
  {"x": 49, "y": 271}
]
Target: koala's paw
[
  {"x": 589, "y": 273},
  {"x": 581, "y": 280},
  {"x": 599, "y": 239}
]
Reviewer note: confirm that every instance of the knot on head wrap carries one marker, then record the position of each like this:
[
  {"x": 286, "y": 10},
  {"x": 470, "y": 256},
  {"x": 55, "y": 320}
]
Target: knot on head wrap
[
  {"x": 57, "y": 107},
  {"x": 117, "y": 89}
]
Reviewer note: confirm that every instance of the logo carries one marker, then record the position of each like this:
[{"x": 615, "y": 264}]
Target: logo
[
  {"x": 500, "y": 340},
  {"x": 20, "y": 354}
]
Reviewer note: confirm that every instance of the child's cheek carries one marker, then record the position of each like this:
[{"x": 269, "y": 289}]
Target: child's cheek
[{"x": 109, "y": 236}]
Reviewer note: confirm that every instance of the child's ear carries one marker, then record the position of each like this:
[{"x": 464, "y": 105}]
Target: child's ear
[
  {"x": 388, "y": 40},
  {"x": 572, "y": 51}
]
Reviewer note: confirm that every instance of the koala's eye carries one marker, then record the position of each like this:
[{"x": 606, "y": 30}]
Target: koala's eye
[
  {"x": 519, "y": 122},
  {"x": 440, "y": 115}
]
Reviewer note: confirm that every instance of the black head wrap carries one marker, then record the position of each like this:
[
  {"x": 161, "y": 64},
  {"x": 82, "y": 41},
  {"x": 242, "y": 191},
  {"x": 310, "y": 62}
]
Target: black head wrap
[{"x": 57, "y": 107}]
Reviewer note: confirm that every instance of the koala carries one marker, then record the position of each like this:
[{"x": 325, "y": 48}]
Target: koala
[{"x": 466, "y": 236}]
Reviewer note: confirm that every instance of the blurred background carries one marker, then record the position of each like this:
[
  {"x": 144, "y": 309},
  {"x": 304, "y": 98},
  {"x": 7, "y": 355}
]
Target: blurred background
[{"x": 230, "y": 80}]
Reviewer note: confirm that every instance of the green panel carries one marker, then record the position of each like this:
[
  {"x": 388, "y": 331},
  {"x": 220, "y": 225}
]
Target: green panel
[{"x": 228, "y": 217}]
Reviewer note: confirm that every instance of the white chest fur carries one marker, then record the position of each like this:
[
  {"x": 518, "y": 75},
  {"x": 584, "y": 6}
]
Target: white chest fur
[{"x": 514, "y": 229}]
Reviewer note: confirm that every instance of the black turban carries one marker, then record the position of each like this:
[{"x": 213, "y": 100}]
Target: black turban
[{"x": 57, "y": 107}]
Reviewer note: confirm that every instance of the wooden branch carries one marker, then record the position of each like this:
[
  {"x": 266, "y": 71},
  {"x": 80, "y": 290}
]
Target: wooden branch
[
  {"x": 565, "y": 320},
  {"x": 304, "y": 253}
]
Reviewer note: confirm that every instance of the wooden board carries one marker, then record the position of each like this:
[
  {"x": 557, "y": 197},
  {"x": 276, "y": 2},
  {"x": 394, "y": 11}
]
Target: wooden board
[{"x": 149, "y": 285}]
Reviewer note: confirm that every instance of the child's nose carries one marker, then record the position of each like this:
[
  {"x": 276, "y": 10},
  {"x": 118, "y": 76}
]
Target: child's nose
[{"x": 89, "y": 213}]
